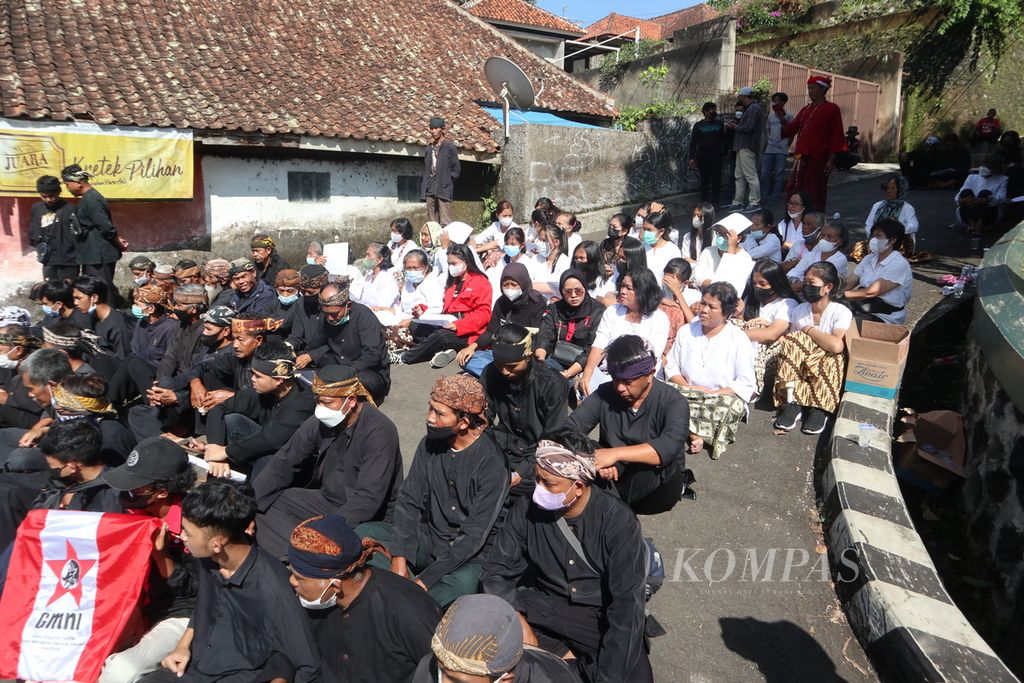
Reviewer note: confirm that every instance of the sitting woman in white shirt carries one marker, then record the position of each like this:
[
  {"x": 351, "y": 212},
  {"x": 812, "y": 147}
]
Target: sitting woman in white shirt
[
  {"x": 629, "y": 255},
  {"x": 677, "y": 298},
  {"x": 586, "y": 258},
  {"x": 380, "y": 289},
  {"x": 831, "y": 247},
  {"x": 811, "y": 361},
  {"x": 493, "y": 236},
  {"x": 636, "y": 313},
  {"x": 422, "y": 294},
  {"x": 880, "y": 287},
  {"x": 810, "y": 233},
  {"x": 712, "y": 365},
  {"x": 549, "y": 271},
  {"x": 696, "y": 238},
  {"x": 402, "y": 242},
  {"x": 725, "y": 260},
  {"x": 767, "y": 305},
  {"x": 763, "y": 240},
  {"x": 791, "y": 226},
  {"x": 572, "y": 227},
  {"x": 655, "y": 236}
]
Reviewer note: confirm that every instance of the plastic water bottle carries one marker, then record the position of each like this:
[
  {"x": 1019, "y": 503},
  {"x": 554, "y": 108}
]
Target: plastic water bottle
[{"x": 864, "y": 433}]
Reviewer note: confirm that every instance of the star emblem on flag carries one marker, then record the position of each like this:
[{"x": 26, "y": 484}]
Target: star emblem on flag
[{"x": 69, "y": 572}]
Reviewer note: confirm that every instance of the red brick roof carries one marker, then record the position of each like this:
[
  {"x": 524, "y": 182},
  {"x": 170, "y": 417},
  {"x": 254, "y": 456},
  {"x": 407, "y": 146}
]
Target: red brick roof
[
  {"x": 685, "y": 18},
  {"x": 362, "y": 69},
  {"x": 617, "y": 24},
  {"x": 522, "y": 13}
]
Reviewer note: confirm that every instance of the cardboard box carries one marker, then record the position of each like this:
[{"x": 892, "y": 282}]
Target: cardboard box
[
  {"x": 878, "y": 353},
  {"x": 930, "y": 454}
]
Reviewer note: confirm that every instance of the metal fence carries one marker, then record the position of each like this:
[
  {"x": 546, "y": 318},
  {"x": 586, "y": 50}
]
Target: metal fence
[{"x": 857, "y": 99}]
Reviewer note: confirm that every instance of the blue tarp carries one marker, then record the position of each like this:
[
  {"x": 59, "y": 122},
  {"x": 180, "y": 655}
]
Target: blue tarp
[{"x": 516, "y": 118}]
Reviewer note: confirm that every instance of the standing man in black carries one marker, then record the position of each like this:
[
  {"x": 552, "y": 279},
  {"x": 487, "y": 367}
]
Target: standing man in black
[
  {"x": 50, "y": 231},
  {"x": 707, "y": 145},
  {"x": 440, "y": 169},
  {"x": 98, "y": 246}
]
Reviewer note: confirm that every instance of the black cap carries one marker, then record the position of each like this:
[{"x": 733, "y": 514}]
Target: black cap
[
  {"x": 436, "y": 122},
  {"x": 151, "y": 460}
]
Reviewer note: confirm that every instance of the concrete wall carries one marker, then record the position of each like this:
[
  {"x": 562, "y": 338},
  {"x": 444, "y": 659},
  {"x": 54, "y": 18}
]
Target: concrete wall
[
  {"x": 584, "y": 169},
  {"x": 700, "y": 66}
]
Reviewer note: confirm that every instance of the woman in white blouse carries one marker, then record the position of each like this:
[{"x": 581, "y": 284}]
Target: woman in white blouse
[
  {"x": 830, "y": 247},
  {"x": 895, "y": 205},
  {"x": 422, "y": 294},
  {"x": 637, "y": 312},
  {"x": 696, "y": 238},
  {"x": 725, "y": 260},
  {"x": 790, "y": 227},
  {"x": 655, "y": 235},
  {"x": 880, "y": 287},
  {"x": 402, "y": 242},
  {"x": 549, "y": 271},
  {"x": 380, "y": 289},
  {"x": 712, "y": 364},
  {"x": 514, "y": 252},
  {"x": 811, "y": 362},
  {"x": 767, "y": 305},
  {"x": 762, "y": 241}
]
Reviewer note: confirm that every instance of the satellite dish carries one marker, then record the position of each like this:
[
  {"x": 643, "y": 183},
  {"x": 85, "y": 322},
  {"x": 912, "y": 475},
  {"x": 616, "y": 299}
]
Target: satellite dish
[{"x": 510, "y": 84}]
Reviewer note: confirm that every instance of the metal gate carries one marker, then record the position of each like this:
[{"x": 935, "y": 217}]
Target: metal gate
[{"x": 857, "y": 99}]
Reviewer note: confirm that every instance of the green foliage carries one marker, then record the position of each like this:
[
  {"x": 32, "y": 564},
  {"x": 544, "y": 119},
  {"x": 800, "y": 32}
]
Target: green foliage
[
  {"x": 612, "y": 69},
  {"x": 991, "y": 21},
  {"x": 630, "y": 117},
  {"x": 764, "y": 88},
  {"x": 653, "y": 76},
  {"x": 487, "y": 216}
]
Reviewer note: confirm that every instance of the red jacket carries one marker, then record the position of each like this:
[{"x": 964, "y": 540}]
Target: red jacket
[
  {"x": 472, "y": 305},
  {"x": 818, "y": 130}
]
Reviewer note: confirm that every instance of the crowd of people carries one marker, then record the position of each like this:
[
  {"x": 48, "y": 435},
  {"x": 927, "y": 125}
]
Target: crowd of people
[{"x": 511, "y": 549}]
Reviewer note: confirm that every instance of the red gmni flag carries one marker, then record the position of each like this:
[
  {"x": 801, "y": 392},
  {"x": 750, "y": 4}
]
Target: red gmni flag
[{"x": 73, "y": 581}]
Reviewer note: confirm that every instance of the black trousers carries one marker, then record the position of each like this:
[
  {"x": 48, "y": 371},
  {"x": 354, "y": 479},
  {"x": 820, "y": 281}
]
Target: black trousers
[
  {"x": 650, "y": 490},
  {"x": 430, "y": 340},
  {"x": 60, "y": 272},
  {"x": 274, "y": 527},
  {"x": 132, "y": 378},
  {"x": 562, "y": 626},
  {"x": 710, "y": 168}
]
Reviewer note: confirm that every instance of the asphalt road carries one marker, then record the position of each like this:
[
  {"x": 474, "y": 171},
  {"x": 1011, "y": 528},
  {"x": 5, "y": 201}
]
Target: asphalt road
[{"x": 748, "y": 595}]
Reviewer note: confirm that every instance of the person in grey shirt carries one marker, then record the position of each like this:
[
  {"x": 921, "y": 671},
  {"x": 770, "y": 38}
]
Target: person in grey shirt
[
  {"x": 773, "y": 161},
  {"x": 746, "y": 142}
]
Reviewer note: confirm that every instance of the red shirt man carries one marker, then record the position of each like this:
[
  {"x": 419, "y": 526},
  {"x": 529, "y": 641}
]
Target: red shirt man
[
  {"x": 818, "y": 129},
  {"x": 989, "y": 128}
]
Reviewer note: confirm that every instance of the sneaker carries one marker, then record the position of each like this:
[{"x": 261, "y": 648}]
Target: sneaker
[
  {"x": 787, "y": 416},
  {"x": 752, "y": 207},
  {"x": 816, "y": 421},
  {"x": 732, "y": 207},
  {"x": 443, "y": 358}
]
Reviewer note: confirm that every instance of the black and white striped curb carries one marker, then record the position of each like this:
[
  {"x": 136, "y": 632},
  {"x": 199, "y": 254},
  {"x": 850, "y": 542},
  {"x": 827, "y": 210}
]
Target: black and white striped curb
[{"x": 893, "y": 597}]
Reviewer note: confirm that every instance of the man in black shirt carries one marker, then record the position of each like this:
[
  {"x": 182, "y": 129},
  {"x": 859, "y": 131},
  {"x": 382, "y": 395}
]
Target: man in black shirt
[
  {"x": 526, "y": 397},
  {"x": 57, "y": 299},
  {"x": 17, "y": 408},
  {"x": 345, "y": 333},
  {"x": 707, "y": 145},
  {"x": 370, "y": 625},
  {"x": 440, "y": 169},
  {"x": 266, "y": 259},
  {"x": 247, "y": 626},
  {"x": 152, "y": 482},
  {"x": 345, "y": 460},
  {"x": 572, "y": 562},
  {"x": 251, "y": 294},
  {"x": 98, "y": 245},
  {"x": 643, "y": 429},
  {"x": 451, "y": 499},
  {"x": 230, "y": 368},
  {"x": 253, "y": 424},
  {"x": 50, "y": 231}
]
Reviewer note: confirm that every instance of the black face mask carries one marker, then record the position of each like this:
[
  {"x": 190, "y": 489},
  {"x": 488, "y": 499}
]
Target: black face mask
[
  {"x": 812, "y": 293},
  {"x": 185, "y": 317},
  {"x": 210, "y": 341},
  {"x": 763, "y": 295},
  {"x": 613, "y": 233},
  {"x": 621, "y": 267},
  {"x": 445, "y": 433},
  {"x": 55, "y": 475},
  {"x": 129, "y": 502}
]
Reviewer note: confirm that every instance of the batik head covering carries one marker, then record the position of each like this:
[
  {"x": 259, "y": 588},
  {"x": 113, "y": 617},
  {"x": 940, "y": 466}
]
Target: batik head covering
[
  {"x": 512, "y": 353},
  {"x": 141, "y": 263},
  {"x": 561, "y": 462},
  {"x": 339, "y": 381},
  {"x": 246, "y": 326},
  {"x": 338, "y": 297},
  {"x": 479, "y": 635},
  {"x": 74, "y": 403},
  {"x": 434, "y": 230},
  {"x": 61, "y": 341},
  {"x": 261, "y": 242},
  {"x": 151, "y": 294},
  {"x": 328, "y": 548},
  {"x": 460, "y": 392},
  {"x": 312, "y": 277},
  {"x": 278, "y": 368},
  {"x": 217, "y": 268},
  {"x": 891, "y": 208},
  {"x": 14, "y": 315},
  {"x": 190, "y": 271},
  {"x": 163, "y": 273},
  {"x": 241, "y": 265},
  {"x": 75, "y": 173},
  {"x": 21, "y": 338},
  {"x": 287, "y": 278},
  {"x": 220, "y": 316},
  {"x": 191, "y": 295}
]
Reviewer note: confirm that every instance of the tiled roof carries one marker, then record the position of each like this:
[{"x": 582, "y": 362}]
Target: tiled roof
[
  {"x": 617, "y": 24},
  {"x": 684, "y": 18},
  {"x": 522, "y": 13},
  {"x": 364, "y": 69}
]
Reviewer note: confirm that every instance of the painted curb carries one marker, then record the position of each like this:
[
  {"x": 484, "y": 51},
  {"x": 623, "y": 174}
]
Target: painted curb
[{"x": 892, "y": 594}]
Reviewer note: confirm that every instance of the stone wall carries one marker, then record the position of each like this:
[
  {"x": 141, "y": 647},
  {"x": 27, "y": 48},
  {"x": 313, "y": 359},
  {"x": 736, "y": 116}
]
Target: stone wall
[{"x": 585, "y": 169}]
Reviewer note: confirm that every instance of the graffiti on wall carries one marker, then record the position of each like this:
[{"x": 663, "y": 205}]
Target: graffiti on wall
[{"x": 658, "y": 166}]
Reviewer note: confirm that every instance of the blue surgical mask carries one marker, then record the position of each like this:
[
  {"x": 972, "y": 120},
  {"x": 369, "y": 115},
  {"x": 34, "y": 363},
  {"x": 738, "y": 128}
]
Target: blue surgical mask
[
  {"x": 543, "y": 249},
  {"x": 414, "y": 277},
  {"x": 757, "y": 234},
  {"x": 139, "y": 281},
  {"x": 512, "y": 250},
  {"x": 722, "y": 243},
  {"x": 137, "y": 311},
  {"x": 339, "y": 322},
  {"x": 650, "y": 238},
  {"x": 310, "y": 260},
  {"x": 92, "y": 309},
  {"x": 288, "y": 300},
  {"x": 48, "y": 311}
]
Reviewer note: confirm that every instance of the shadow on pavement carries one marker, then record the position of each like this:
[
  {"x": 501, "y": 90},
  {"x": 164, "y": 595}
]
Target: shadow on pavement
[{"x": 782, "y": 651}]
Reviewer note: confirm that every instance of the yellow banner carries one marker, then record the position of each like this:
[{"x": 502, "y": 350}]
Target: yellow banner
[{"x": 128, "y": 163}]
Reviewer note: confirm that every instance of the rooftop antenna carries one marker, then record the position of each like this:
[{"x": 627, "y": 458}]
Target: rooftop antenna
[{"x": 511, "y": 85}]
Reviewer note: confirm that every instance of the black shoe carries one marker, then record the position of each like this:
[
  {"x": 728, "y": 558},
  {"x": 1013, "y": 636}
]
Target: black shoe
[
  {"x": 787, "y": 417},
  {"x": 816, "y": 421}
]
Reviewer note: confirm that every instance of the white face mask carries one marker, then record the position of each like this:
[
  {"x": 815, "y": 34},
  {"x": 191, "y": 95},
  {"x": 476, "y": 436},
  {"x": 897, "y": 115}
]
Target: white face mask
[
  {"x": 638, "y": 221},
  {"x": 795, "y": 214},
  {"x": 329, "y": 418},
  {"x": 396, "y": 237},
  {"x": 878, "y": 245},
  {"x": 505, "y": 221},
  {"x": 697, "y": 222},
  {"x": 456, "y": 269},
  {"x": 317, "y": 604},
  {"x": 984, "y": 171},
  {"x": 827, "y": 246},
  {"x": 6, "y": 363},
  {"x": 511, "y": 294}
]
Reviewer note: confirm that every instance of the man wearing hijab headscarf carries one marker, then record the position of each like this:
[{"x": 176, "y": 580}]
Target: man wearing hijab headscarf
[
  {"x": 351, "y": 450},
  {"x": 584, "y": 554},
  {"x": 451, "y": 498},
  {"x": 527, "y": 399},
  {"x": 371, "y": 626},
  {"x": 519, "y": 303},
  {"x": 480, "y": 640}
]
